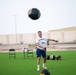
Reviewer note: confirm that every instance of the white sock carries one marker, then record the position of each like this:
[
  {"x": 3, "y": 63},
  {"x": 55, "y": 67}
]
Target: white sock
[
  {"x": 43, "y": 64},
  {"x": 38, "y": 66}
]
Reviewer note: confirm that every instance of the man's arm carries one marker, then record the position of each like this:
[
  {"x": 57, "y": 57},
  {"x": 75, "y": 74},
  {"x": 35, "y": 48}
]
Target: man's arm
[
  {"x": 52, "y": 40},
  {"x": 37, "y": 44}
]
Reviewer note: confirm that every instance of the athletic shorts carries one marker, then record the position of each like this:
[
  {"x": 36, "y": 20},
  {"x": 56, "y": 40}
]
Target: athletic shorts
[{"x": 40, "y": 53}]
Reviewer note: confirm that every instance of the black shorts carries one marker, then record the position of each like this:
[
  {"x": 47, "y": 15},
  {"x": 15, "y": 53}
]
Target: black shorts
[{"x": 40, "y": 53}]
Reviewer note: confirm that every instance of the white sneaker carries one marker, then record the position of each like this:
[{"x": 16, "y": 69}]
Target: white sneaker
[
  {"x": 44, "y": 67},
  {"x": 38, "y": 69}
]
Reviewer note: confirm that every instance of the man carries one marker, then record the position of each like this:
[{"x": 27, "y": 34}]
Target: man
[{"x": 41, "y": 49}]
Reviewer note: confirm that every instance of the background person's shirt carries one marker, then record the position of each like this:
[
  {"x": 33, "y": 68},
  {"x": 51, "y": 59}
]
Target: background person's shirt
[{"x": 42, "y": 42}]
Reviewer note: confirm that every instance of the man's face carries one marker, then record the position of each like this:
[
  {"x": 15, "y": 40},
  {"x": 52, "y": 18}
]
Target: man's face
[{"x": 40, "y": 34}]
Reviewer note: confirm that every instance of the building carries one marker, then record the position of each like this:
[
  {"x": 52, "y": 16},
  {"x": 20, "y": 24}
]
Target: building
[{"x": 63, "y": 35}]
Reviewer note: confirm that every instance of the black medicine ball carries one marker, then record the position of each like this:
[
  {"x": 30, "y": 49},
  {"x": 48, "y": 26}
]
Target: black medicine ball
[
  {"x": 58, "y": 57},
  {"x": 45, "y": 72},
  {"x": 34, "y": 13},
  {"x": 52, "y": 57},
  {"x": 48, "y": 57}
]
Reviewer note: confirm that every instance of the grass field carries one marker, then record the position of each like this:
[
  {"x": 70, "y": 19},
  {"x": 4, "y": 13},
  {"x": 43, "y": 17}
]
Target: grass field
[{"x": 27, "y": 66}]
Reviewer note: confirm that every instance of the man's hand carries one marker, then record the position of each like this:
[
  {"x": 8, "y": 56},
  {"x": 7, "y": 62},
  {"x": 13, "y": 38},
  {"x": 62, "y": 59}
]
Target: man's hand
[
  {"x": 56, "y": 40},
  {"x": 44, "y": 49}
]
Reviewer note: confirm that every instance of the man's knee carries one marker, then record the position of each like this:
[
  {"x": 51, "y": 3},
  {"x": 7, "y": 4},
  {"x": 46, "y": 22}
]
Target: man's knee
[
  {"x": 39, "y": 58},
  {"x": 45, "y": 58}
]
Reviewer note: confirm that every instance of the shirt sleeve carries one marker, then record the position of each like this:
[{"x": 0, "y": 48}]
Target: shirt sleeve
[{"x": 46, "y": 39}]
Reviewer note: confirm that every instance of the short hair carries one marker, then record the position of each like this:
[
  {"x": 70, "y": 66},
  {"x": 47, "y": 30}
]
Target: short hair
[{"x": 39, "y": 31}]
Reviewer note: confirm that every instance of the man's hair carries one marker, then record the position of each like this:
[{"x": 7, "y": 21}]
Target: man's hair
[{"x": 39, "y": 31}]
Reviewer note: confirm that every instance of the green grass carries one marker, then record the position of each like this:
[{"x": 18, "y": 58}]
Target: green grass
[{"x": 27, "y": 66}]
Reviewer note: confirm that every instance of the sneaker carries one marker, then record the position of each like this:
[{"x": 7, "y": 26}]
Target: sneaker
[
  {"x": 38, "y": 69},
  {"x": 44, "y": 67}
]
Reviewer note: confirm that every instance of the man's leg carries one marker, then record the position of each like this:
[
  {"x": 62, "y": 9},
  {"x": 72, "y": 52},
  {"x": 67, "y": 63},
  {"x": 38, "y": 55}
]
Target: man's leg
[
  {"x": 38, "y": 53},
  {"x": 44, "y": 62},
  {"x": 44, "y": 59},
  {"x": 38, "y": 63}
]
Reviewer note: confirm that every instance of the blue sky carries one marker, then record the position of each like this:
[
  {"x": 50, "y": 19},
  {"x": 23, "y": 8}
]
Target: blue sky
[{"x": 55, "y": 14}]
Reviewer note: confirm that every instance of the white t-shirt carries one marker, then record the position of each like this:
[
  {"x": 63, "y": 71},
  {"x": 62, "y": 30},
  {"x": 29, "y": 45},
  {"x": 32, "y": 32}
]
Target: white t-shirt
[{"x": 42, "y": 42}]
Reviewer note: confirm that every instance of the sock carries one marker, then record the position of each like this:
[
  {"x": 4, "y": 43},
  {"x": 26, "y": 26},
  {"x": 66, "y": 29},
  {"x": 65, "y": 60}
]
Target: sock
[
  {"x": 38, "y": 66},
  {"x": 43, "y": 64}
]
